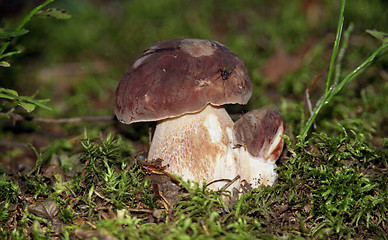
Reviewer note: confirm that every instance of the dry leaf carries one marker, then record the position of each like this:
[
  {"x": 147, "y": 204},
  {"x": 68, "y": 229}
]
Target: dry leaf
[
  {"x": 279, "y": 65},
  {"x": 46, "y": 209},
  {"x": 282, "y": 63}
]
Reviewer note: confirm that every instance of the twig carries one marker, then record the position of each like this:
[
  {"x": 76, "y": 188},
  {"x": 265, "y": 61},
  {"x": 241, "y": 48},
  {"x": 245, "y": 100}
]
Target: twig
[
  {"x": 205, "y": 228},
  {"x": 307, "y": 101},
  {"x": 218, "y": 180},
  {"x": 229, "y": 182},
  {"x": 8, "y": 144},
  {"x": 17, "y": 118},
  {"x": 173, "y": 178},
  {"x": 309, "y": 106},
  {"x": 90, "y": 224},
  {"x": 102, "y": 196},
  {"x": 139, "y": 210}
]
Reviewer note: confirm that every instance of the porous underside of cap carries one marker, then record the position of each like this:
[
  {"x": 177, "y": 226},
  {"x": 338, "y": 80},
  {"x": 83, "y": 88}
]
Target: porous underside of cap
[{"x": 181, "y": 76}]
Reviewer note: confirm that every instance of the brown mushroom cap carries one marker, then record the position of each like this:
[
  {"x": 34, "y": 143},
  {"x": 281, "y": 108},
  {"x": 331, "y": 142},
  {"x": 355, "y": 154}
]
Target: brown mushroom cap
[
  {"x": 181, "y": 76},
  {"x": 259, "y": 131}
]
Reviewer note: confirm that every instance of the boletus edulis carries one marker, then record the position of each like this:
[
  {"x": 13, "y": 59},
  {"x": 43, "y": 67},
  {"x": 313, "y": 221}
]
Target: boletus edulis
[{"x": 182, "y": 84}]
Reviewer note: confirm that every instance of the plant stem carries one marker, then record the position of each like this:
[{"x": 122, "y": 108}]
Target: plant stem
[
  {"x": 334, "y": 89},
  {"x": 303, "y": 131},
  {"x": 341, "y": 53},
  {"x": 16, "y": 117},
  {"x": 356, "y": 71},
  {"x": 336, "y": 45}
]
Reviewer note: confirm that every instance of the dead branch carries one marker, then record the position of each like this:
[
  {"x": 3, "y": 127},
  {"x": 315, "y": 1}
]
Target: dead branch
[{"x": 17, "y": 118}]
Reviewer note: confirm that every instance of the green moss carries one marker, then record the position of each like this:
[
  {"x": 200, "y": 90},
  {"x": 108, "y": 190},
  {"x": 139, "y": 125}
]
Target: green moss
[{"x": 9, "y": 189}]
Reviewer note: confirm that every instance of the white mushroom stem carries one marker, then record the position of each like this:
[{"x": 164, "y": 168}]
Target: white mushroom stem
[
  {"x": 256, "y": 170},
  {"x": 198, "y": 146}
]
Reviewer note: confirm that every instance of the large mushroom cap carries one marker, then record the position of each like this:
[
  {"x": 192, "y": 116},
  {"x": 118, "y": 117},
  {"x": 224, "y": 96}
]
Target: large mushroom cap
[{"x": 181, "y": 76}]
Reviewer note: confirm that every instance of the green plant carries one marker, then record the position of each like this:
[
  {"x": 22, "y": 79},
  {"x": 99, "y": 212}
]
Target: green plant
[
  {"x": 10, "y": 35},
  {"x": 107, "y": 170},
  {"x": 333, "y": 85},
  {"x": 29, "y": 103},
  {"x": 334, "y": 186},
  {"x": 8, "y": 194},
  {"x": 199, "y": 200},
  {"x": 9, "y": 189}
]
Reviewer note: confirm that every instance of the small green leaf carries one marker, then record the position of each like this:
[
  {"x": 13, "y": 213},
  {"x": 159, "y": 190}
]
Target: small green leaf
[
  {"x": 8, "y": 93},
  {"x": 36, "y": 102},
  {"x": 10, "y": 53},
  {"x": 54, "y": 12},
  {"x": 29, "y": 107},
  {"x": 6, "y": 96},
  {"x": 40, "y": 102},
  {"x": 4, "y": 64},
  {"x": 379, "y": 35},
  {"x": 9, "y": 34}
]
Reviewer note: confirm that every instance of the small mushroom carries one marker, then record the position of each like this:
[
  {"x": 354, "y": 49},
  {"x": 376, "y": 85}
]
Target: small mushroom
[
  {"x": 258, "y": 132},
  {"x": 182, "y": 84}
]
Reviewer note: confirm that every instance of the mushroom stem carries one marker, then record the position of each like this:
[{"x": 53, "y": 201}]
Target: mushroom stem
[
  {"x": 256, "y": 170},
  {"x": 198, "y": 146}
]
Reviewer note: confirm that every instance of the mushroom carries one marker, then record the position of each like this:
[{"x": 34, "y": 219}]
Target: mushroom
[
  {"x": 182, "y": 84},
  {"x": 259, "y": 134}
]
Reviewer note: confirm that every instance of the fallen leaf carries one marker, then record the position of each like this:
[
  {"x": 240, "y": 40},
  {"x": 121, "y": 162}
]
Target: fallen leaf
[
  {"x": 46, "y": 209},
  {"x": 52, "y": 170},
  {"x": 282, "y": 63},
  {"x": 279, "y": 65}
]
